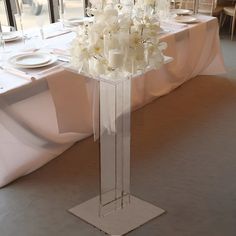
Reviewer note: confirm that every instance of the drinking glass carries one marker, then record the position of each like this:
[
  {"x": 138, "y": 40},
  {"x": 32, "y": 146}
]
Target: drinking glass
[
  {"x": 62, "y": 12},
  {"x": 40, "y": 20},
  {"x": 19, "y": 24},
  {"x": 5, "y": 33},
  {"x": 2, "y": 42}
]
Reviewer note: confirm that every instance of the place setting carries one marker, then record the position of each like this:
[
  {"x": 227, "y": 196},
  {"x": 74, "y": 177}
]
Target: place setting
[
  {"x": 28, "y": 61},
  {"x": 33, "y": 65},
  {"x": 186, "y": 19},
  {"x": 7, "y": 35},
  {"x": 11, "y": 36},
  {"x": 184, "y": 16},
  {"x": 178, "y": 19},
  {"x": 32, "y": 60}
]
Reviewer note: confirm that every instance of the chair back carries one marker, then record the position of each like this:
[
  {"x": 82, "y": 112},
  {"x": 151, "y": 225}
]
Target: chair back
[{"x": 204, "y": 6}]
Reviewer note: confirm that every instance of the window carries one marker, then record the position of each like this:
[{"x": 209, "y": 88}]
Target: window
[
  {"x": 73, "y": 9},
  {"x": 3, "y": 13},
  {"x": 34, "y": 13}
]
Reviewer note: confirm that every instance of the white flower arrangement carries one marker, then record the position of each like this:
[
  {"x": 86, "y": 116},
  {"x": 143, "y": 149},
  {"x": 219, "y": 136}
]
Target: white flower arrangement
[{"x": 117, "y": 41}]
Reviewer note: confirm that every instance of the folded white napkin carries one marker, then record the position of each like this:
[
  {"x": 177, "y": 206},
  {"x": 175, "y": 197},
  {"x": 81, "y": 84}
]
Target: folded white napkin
[
  {"x": 18, "y": 72},
  {"x": 172, "y": 25},
  {"x": 34, "y": 74}
]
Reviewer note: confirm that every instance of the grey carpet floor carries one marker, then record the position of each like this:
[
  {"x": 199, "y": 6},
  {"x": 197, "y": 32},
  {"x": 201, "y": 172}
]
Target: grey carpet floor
[{"x": 183, "y": 160}]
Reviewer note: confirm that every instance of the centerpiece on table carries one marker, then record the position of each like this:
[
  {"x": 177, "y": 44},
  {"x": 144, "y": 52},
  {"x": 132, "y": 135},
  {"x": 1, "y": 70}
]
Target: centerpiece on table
[{"x": 122, "y": 39}]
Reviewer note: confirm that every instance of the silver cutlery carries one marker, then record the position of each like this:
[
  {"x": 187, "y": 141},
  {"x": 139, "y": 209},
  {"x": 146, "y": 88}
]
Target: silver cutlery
[
  {"x": 63, "y": 59},
  {"x": 58, "y": 34}
]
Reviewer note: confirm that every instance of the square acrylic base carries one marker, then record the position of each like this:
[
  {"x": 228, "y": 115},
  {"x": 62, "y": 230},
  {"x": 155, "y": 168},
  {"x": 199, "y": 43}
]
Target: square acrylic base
[{"x": 118, "y": 222}]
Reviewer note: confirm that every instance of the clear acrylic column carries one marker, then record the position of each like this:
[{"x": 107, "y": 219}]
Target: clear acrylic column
[
  {"x": 115, "y": 211},
  {"x": 114, "y": 145}
]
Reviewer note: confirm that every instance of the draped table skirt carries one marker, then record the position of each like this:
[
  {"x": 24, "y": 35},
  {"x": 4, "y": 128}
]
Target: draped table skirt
[{"x": 41, "y": 119}]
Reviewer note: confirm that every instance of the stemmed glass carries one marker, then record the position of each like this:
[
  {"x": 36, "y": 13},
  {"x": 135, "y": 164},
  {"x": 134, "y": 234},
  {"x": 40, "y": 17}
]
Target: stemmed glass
[
  {"x": 19, "y": 23},
  {"x": 62, "y": 11},
  {"x": 2, "y": 47},
  {"x": 40, "y": 22},
  {"x": 2, "y": 42},
  {"x": 19, "y": 20},
  {"x": 4, "y": 34},
  {"x": 2, "y": 50}
]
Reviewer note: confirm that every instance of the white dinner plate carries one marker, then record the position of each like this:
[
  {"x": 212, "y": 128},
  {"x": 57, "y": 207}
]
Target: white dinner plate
[
  {"x": 181, "y": 11},
  {"x": 186, "y": 19},
  {"x": 32, "y": 60},
  {"x": 11, "y": 36}
]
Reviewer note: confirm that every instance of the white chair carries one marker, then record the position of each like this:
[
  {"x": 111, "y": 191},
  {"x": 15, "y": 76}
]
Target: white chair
[
  {"x": 230, "y": 11},
  {"x": 206, "y": 7}
]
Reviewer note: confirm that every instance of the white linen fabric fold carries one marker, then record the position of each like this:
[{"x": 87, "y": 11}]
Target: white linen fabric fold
[
  {"x": 24, "y": 149},
  {"x": 75, "y": 98},
  {"x": 65, "y": 107}
]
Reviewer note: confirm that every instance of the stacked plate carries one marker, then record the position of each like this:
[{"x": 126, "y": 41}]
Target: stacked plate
[
  {"x": 185, "y": 19},
  {"x": 32, "y": 60},
  {"x": 183, "y": 16},
  {"x": 11, "y": 36},
  {"x": 181, "y": 11}
]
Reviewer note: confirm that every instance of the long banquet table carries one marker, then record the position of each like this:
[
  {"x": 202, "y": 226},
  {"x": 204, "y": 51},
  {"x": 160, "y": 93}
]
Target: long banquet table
[{"x": 42, "y": 118}]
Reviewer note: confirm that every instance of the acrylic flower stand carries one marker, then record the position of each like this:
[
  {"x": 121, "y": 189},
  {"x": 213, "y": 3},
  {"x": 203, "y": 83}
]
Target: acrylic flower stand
[{"x": 115, "y": 211}]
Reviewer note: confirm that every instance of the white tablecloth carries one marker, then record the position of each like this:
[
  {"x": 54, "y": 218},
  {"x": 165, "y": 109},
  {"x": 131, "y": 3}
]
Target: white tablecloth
[{"x": 41, "y": 119}]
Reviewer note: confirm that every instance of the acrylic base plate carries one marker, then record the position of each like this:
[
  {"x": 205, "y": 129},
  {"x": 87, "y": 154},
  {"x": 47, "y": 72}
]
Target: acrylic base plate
[{"x": 118, "y": 222}]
